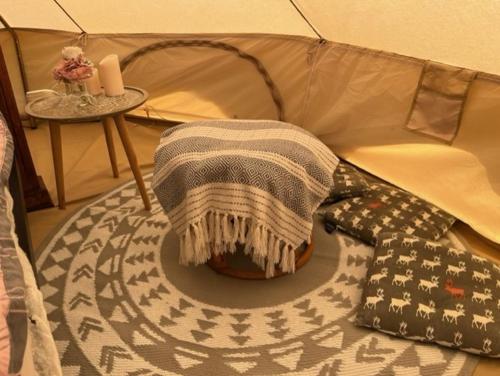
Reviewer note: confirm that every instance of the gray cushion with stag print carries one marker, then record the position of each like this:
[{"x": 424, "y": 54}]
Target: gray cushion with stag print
[
  {"x": 421, "y": 290},
  {"x": 387, "y": 208},
  {"x": 347, "y": 182}
]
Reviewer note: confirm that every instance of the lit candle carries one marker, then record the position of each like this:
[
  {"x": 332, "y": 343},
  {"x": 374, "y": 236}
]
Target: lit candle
[
  {"x": 93, "y": 83},
  {"x": 111, "y": 76}
]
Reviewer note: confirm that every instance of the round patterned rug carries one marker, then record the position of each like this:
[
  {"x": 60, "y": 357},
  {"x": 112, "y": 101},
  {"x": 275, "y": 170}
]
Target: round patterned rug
[{"x": 120, "y": 304}]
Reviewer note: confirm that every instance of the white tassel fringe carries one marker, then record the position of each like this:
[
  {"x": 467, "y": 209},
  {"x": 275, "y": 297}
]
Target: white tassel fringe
[{"x": 220, "y": 232}]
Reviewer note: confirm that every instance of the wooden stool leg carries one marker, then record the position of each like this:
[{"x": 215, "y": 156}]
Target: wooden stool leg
[
  {"x": 55, "y": 141},
  {"x": 132, "y": 159},
  {"x": 107, "y": 125}
]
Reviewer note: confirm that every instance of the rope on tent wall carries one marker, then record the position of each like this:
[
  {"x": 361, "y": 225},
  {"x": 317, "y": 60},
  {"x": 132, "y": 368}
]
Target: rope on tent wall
[
  {"x": 82, "y": 39},
  {"x": 305, "y": 19},
  {"x": 217, "y": 45}
]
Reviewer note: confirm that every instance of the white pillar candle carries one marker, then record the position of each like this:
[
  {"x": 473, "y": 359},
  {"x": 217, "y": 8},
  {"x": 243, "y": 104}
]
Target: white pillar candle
[
  {"x": 111, "y": 76},
  {"x": 93, "y": 83}
]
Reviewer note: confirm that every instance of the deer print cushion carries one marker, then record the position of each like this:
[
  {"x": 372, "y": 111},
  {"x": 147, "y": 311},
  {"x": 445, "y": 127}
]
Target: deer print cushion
[
  {"x": 387, "y": 208},
  {"x": 421, "y": 290},
  {"x": 347, "y": 182}
]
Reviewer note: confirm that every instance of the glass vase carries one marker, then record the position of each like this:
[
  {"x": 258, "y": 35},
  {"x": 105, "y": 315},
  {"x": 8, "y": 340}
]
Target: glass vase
[{"x": 77, "y": 93}]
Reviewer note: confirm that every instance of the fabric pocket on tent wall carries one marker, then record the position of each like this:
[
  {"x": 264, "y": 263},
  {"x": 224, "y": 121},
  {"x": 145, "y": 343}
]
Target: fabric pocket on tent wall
[{"x": 438, "y": 104}]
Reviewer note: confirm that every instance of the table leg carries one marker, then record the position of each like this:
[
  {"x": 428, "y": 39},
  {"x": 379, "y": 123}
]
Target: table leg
[
  {"x": 55, "y": 141},
  {"x": 132, "y": 159},
  {"x": 107, "y": 125}
]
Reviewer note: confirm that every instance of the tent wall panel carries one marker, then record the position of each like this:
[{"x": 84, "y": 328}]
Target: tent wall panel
[
  {"x": 203, "y": 82},
  {"x": 41, "y": 52},
  {"x": 461, "y": 33},
  {"x": 361, "y": 102},
  {"x": 358, "y": 88},
  {"x": 357, "y": 100},
  {"x": 196, "y": 79},
  {"x": 211, "y": 83},
  {"x": 191, "y": 83}
]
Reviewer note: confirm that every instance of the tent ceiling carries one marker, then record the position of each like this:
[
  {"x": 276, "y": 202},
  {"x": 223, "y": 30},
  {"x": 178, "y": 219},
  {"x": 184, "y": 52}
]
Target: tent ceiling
[
  {"x": 463, "y": 33},
  {"x": 37, "y": 14},
  {"x": 159, "y": 16}
]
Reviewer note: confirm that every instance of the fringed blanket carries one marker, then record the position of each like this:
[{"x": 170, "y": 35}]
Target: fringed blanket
[{"x": 256, "y": 183}]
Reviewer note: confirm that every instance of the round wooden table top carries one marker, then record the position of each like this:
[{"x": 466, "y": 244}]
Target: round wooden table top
[{"x": 68, "y": 107}]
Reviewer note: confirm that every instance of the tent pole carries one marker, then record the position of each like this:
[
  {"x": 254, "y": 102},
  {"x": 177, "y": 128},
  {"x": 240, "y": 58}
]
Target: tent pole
[
  {"x": 299, "y": 11},
  {"x": 69, "y": 16},
  {"x": 20, "y": 61}
]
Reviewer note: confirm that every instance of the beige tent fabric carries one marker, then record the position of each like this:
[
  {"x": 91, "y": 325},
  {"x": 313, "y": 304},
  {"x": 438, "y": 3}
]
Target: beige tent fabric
[
  {"x": 459, "y": 33},
  {"x": 41, "y": 51},
  {"x": 39, "y": 14},
  {"x": 363, "y": 122},
  {"x": 439, "y": 101},
  {"x": 215, "y": 84},
  {"x": 357, "y": 100},
  {"x": 190, "y": 83},
  {"x": 158, "y": 16},
  {"x": 187, "y": 16},
  {"x": 355, "y": 88},
  {"x": 454, "y": 32}
]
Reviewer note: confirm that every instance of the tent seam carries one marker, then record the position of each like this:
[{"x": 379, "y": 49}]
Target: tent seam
[{"x": 307, "y": 95}]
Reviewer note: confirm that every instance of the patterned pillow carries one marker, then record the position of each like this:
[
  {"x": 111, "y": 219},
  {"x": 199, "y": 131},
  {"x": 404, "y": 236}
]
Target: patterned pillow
[
  {"x": 387, "y": 208},
  {"x": 347, "y": 182},
  {"x": 422, "y": 290}
]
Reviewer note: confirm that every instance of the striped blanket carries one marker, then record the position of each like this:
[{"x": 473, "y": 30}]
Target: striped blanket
[{"x": 256, "y": 183}]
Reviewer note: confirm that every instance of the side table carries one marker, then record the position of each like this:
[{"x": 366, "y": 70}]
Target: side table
[{"x": 61, "y": 109}]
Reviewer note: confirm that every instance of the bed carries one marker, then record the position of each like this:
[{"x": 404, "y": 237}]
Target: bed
[{"x": 26, "y": 343}]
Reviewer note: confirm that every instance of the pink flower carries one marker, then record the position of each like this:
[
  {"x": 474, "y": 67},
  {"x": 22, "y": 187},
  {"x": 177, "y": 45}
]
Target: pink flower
[{"x": 77, "y": 69}]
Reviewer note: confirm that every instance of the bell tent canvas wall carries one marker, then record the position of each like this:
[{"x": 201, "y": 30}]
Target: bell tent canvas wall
[{"x": 350, "y": 76}]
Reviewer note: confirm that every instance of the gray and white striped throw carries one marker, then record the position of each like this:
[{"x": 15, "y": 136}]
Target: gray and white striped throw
[{"x": 257, "y": 183}]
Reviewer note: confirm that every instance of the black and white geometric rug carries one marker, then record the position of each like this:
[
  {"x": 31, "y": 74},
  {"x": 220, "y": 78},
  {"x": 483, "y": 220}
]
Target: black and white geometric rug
[{"x": 120, "y": 304}]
